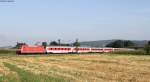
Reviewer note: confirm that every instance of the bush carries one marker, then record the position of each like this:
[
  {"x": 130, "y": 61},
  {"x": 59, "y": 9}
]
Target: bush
[
  {"x": 7, "y": 51},
  {"x": 136, "y": 52}
]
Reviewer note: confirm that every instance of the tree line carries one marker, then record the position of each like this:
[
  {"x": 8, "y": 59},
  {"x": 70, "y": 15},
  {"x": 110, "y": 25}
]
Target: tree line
[
  {"x": 128, "y": 44},
  {"x": 53, "y": 43},
  {"x": 121, "y": 44}
]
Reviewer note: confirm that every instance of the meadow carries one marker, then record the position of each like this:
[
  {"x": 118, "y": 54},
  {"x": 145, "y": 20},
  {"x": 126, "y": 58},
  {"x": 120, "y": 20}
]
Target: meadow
[{"x": 75, "y": 68}]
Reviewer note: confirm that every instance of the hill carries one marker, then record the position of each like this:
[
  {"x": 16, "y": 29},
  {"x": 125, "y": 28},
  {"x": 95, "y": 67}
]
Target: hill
[{"x": 103, "y": 43}]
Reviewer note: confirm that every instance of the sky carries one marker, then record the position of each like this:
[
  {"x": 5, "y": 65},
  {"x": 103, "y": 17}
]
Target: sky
[{"x": 34, "y": 21}]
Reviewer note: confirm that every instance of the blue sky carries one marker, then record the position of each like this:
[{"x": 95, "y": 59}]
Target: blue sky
[{"x": 46, "y": 20}]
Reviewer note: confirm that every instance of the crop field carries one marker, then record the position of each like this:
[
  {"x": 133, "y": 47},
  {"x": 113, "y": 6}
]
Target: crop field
[{"x": 75, "y": 68}]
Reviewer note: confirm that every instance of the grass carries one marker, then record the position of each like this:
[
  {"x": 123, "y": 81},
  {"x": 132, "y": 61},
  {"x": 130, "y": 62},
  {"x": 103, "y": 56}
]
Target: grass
[
  {"x": 75, "y": 68},
  {"x": 26, "y": 76}
]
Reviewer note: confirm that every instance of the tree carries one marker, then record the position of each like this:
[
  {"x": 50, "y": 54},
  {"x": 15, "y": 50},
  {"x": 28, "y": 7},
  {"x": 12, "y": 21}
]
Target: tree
[
  {"x": 128, "y": 44},
  {"x": 147, "y": 47},
  {"x": 18, "y": 45},
  {"x": 148, "y": 42},
  {"x": 53, "y": 43},
  {"x": 44, "y": 44},
  {"x": 77, "y": 45},
  {"x": 121, "y": 44},
  {"x": 115, "y": 44},
  {"x": 59, "y": 42}
]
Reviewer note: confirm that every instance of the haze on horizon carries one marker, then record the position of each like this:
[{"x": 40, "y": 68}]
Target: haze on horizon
[{"x": 35, "y": 20}]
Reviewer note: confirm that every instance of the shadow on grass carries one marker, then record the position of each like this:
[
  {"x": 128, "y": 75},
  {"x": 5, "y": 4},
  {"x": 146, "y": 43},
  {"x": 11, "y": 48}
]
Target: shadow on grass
[
  {"x": 9, "y": 78},
  {"x": 26, "y": 76}
]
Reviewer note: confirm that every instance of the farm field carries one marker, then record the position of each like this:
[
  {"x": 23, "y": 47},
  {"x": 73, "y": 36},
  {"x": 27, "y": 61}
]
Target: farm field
[{"x": 75, "y": 68}]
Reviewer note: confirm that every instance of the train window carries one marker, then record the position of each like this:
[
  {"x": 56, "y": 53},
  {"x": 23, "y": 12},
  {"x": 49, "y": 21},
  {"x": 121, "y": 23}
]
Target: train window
[
  {"x": 63, "y": 49},
  {"x": 108, "y": 49},
  {"x": 77, "y": 48},
  {"x": 101, "y": 49}
]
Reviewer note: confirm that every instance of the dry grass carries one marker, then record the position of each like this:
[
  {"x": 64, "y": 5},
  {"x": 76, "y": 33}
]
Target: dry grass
[{"x": 83, "y": 68}]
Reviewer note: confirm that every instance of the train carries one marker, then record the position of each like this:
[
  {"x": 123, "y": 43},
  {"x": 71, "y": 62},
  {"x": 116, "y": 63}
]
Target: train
[{"x": 28, "y": 49}]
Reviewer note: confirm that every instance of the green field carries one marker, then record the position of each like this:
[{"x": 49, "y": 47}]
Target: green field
[{"x": 75, "y": 68}]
